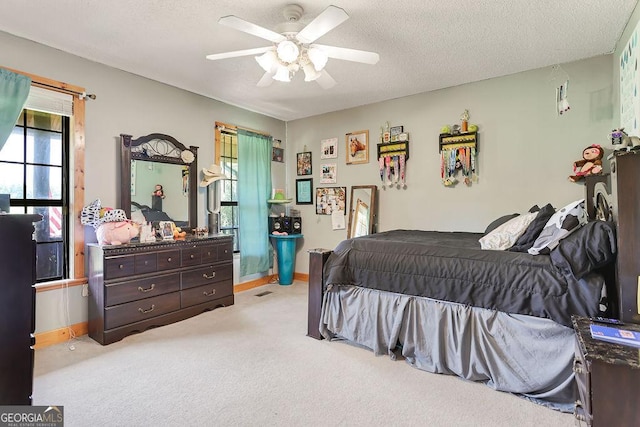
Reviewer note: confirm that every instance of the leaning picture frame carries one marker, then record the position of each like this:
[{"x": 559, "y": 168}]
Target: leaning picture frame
[
  {"x": 357, "y": 147},
  {"x": 165, "y": 228},
  {"x": 304, "y": 189}
]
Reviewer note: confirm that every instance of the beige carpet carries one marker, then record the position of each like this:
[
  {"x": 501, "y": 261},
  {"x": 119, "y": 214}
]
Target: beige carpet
[{"x": 252, "y": 365}]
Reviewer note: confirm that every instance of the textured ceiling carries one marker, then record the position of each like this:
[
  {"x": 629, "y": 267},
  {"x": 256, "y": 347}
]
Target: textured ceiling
[{"x": 423, "y": 44}]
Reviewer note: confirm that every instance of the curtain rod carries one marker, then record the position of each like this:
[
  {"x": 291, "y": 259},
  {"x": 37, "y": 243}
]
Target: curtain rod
[
  {"x": 53, "y": 84},
  {"x": 234, "y": 129},
  {"x": 80, "y": 95}
]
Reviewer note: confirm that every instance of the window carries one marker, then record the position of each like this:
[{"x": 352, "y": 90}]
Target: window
[
  {"x": 34, "y": 166},
  {"x": 227, "y": 158}
]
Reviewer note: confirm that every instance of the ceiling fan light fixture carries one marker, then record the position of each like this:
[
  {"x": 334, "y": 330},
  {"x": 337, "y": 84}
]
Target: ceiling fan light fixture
[
  {"x": 268, "y": 61},
  {"x": 310, "y": 73},
  {"x": 282, "y": 74},
  {"x": 288, "y": 51},
  {"x": 318, "y": 57}
]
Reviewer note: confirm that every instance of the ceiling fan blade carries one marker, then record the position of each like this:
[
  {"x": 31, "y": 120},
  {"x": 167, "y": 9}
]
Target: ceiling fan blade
[
  {"x": 265, "y": 80},
  {"x": 236, "y": 53},
  {"x": 330, "y": 18},
  {"x": 325, "y": 80},
  {"x": 350, "y": 54},
  {"x": 249, "y": 28}
]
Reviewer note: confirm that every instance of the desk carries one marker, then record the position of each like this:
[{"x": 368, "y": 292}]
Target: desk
[{"x": 285, "y": 245}]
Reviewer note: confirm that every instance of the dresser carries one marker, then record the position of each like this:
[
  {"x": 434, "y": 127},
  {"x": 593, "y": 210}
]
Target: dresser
[
  {"x": 17, "y": 307},
  {"x": 608, "y": 379},
  {"x": 137, "y": 286}
]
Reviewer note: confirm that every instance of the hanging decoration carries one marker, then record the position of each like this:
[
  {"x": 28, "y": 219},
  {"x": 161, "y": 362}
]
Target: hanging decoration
[
  {"x": 393, "y": 153},
  {"x": 458, "y": 152}
]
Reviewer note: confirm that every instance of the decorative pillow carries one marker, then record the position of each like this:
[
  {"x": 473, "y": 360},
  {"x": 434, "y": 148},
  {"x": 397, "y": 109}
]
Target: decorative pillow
[
  {"x": 528, "y": 238},
  {"x": 505, "y": 235},
  {"x": 498, "y": 222},
  {"x": 588, "y": 248},
  {"x": 559, "y": 226}
]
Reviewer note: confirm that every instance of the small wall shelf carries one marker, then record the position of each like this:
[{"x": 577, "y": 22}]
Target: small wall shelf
[{"x": 451, "y": 141}]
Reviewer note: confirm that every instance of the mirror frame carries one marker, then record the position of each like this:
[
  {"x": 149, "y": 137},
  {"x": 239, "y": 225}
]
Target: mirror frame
[
  {"x": 171, "y": 157},
  {"x": 372, "y": 208}
]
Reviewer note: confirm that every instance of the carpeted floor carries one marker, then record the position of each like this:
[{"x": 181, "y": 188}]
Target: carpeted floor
[{"x": 252, "y": 365}]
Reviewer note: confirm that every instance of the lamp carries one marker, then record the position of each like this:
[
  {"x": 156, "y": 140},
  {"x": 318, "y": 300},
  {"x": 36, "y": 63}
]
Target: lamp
[{"x": 289, "y": 57}]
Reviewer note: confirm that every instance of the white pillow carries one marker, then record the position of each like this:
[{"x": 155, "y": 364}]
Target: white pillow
[
  {"x": 560, "y": 225},
  {"x": 506, "y": 235}
]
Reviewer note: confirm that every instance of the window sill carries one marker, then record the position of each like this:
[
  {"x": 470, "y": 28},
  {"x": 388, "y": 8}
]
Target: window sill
[{"x": 59, "y": 284}]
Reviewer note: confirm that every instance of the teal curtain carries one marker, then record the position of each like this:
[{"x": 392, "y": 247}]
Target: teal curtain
[
  {"x": 254, "y": 189},
  {"x": 14, "y": 90}
]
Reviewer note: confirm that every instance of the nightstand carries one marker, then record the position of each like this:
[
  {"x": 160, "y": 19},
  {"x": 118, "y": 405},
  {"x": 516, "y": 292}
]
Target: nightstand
[{"x": 608, "y": 379}]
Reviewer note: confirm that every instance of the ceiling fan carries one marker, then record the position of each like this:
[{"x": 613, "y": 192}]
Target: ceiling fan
[{"x": 293, "y": 47}]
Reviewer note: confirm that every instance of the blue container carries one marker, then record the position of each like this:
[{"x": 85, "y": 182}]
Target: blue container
[{"x": 286, "y": 251}]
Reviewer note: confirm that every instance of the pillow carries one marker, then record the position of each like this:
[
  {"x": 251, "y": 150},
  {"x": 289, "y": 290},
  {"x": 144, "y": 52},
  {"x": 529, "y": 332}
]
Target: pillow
[
  {"x": 505, "y": 235},
  {"x": 589, "y": 248},
  {"x": 528, "y": 238},
  {"x": 559, "y": 226},
  {"x": 498, "y": 222}
]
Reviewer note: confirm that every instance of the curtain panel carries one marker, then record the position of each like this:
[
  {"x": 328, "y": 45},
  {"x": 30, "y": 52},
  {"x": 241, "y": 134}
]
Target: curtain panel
[
  {"x": 254, "y": 189},
  {"x": 14, "y": 90}
]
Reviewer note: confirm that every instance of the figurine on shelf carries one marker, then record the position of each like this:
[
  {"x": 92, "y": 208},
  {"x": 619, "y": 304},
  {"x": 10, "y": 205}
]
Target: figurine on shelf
[{"x": 465, "y": 121}]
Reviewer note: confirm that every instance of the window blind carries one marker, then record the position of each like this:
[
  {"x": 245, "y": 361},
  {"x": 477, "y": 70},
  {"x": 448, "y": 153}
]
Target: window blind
[{"x": 49, "y": 101}]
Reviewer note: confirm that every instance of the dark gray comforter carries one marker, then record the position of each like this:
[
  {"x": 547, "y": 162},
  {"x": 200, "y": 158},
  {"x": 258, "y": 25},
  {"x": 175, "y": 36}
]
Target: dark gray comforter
[{"x": 450, "y": 266}]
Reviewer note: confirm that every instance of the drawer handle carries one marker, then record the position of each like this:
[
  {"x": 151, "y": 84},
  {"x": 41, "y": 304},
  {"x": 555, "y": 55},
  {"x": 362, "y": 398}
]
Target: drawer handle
[
  {"x": 150, "y": 288},
  {"x": 208, "y": 294},
  {"x": 121, "y": 266},
  {"x": 146, "y": 262},
  {"x": 147, "y": 311},
  {"x": 213, "y": 274},
  {"x": 192, "y": 256},
  {"x": 209, "y": 253}
]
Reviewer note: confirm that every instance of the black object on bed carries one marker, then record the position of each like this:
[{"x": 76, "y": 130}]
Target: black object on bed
[{"x": 451, "y": 266}]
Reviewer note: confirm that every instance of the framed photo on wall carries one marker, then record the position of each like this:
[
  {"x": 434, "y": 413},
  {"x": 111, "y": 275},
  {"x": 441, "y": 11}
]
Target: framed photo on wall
[
  {"x": 329, "y": 199},
  {"x": 357, "y": 147},
  {"x": 329, "y": 148},
  {"x": 303, "y": 163},
  {"x": 329, "y": 173},
  {"x": 304, "y": 189}
]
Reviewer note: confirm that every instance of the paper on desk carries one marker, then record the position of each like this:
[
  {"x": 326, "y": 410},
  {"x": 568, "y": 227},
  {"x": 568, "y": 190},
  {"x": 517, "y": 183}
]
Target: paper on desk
[{"x": 337, "y": 220}]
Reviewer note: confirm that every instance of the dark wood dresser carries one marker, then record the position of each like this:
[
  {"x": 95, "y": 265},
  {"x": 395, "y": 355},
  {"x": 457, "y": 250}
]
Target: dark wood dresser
[
  {"x": 137, "y": 286},
  {"x": 608, "y": 379},
  {"x": 17, "y": 307}
]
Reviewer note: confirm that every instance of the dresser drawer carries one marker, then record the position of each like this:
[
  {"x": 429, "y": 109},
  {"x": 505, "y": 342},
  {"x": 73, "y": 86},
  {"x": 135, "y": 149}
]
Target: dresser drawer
[
  {"x": 168, "y": 260},
  {"x": 121, "y": 266},
  {"x": 225, "y": 252},
  {"x": 122, "y": 292},
  {"x": 191, "y": 256},
  {"x": 143, "y": 309},
  {"x": 209, "y": 254},
  {"x": 146, "y": 263},
  {"x": 206, "y": 293},
  {"x": 205, "y": 275}
]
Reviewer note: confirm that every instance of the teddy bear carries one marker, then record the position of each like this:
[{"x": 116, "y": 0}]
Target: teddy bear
[{"x": 591, "y": 163}]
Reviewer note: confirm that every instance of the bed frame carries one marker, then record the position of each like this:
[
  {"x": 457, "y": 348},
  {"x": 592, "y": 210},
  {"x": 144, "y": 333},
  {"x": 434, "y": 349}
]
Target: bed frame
[{"x": 614, "y": 196}]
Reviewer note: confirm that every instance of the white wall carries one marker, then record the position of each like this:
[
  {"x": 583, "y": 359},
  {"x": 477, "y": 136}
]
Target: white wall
[
  {"x": 525, "y": 150},
  {"x": 128, "y": 104}
]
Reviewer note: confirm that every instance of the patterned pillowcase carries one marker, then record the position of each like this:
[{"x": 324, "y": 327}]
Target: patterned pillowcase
[
  {"x": 560, "y": 225},
  {"x": 506, "y": 235},
  {"x": 499, "y": 221}
]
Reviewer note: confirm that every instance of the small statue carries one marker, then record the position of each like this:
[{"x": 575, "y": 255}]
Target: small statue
[{"x": 465, "y": 120}]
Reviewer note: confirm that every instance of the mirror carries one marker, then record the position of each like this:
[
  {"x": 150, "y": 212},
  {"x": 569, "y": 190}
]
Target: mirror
[
  {"x": 362, "y": 211},
  {"x": 159, "y": 180}
]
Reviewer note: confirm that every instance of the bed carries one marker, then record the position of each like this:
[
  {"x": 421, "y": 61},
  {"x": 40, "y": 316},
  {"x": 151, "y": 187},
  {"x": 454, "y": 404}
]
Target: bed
[
  {"x": 140, "y": 213},
  {"x": 445, "y": 305}
]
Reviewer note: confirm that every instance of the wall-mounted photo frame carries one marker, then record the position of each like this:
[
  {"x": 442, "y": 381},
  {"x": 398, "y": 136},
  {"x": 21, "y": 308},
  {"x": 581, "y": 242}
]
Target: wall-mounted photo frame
[
  {"x": 329, "y": 173},
  {"x": 277, "y": 155},
  {"x": 303, "y": 163},
  {"x": 304, "y": 191},
  {"x": 329, "y": 148},
  {"x": 357, "y": 147},
  {"x": 329, "y": 199}
]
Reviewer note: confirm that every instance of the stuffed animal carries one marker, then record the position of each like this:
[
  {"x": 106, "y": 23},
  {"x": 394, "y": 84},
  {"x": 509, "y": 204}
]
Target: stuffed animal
[
  {"x": 591, "y": 163},
  {"x": 116, "y": 233}
]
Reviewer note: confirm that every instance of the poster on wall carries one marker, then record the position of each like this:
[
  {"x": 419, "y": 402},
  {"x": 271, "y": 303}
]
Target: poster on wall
[{"x": 629, "y": 85}]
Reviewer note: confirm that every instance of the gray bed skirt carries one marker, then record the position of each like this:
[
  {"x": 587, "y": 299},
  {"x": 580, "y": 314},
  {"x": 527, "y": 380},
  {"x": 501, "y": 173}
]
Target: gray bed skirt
[{"x": 515, "y": 353}]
